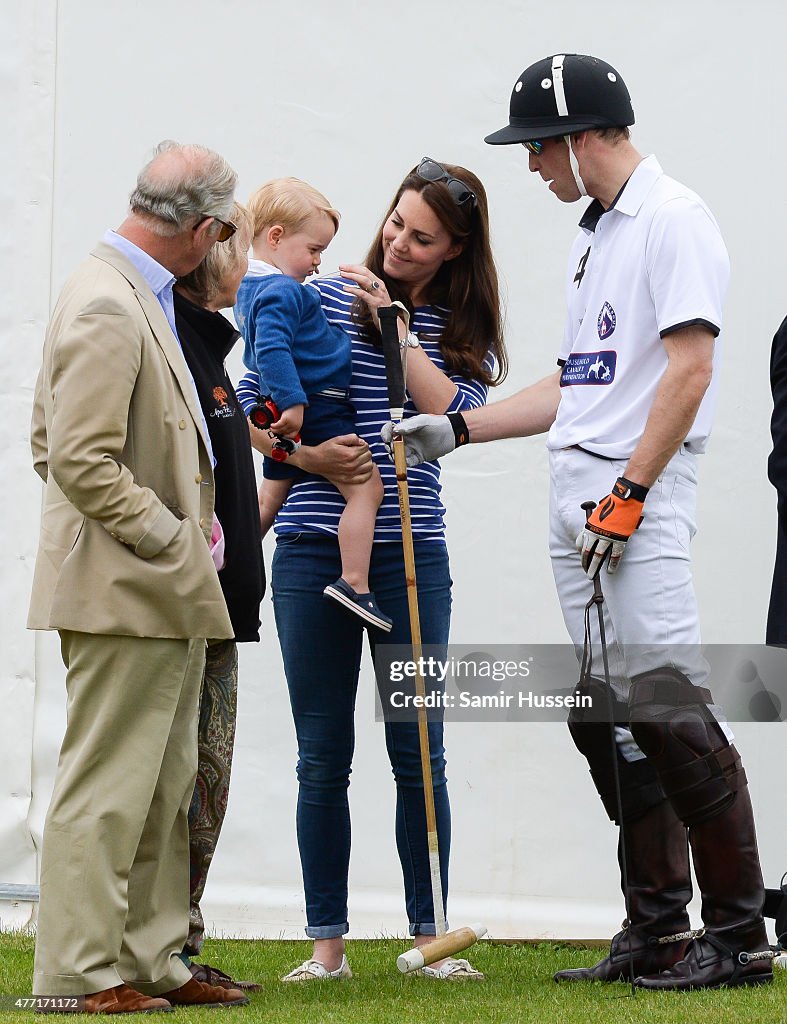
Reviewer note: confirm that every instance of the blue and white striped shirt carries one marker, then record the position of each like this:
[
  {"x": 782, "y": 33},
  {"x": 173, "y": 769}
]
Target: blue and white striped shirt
[{"x": 314, "y": 505}]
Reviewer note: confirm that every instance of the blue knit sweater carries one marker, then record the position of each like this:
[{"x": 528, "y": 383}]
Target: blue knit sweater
[
  {"x": 288, "y": 340},
  {"x": 314, "y": 505}
]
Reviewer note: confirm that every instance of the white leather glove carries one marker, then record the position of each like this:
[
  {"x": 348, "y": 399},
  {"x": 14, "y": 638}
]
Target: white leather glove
[{"x": 426, "y": 438}]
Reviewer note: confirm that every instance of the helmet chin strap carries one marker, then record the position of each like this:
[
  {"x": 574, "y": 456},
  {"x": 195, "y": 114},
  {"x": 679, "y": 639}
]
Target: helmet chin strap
[
  {"x": 562, "y": 109},
  {"x": 575, "y": 167}
]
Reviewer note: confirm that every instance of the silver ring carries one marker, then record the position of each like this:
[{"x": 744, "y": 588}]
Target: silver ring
[{"x": 375, "y": 285}]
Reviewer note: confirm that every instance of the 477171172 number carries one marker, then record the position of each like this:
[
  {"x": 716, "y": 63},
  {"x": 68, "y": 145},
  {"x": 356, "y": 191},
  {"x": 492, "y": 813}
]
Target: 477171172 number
[{"x": 43, "y": 1004}]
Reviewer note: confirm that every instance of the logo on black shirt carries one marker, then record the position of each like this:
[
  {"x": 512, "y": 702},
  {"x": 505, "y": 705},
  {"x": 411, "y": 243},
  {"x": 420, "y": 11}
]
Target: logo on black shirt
[{"x": 224, "y": 408}]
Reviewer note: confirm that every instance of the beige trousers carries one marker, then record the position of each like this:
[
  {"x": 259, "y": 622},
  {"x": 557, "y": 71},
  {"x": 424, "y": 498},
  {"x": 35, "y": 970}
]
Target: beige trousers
[{"x": 115, "y": 860}]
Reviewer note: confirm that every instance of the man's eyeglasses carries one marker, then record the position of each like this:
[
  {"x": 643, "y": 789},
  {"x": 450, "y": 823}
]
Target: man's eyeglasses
[
  {"x": 431, "y": 170},
  {"x": 227, "y": 230},
  {"x": 536, "y": 146}
]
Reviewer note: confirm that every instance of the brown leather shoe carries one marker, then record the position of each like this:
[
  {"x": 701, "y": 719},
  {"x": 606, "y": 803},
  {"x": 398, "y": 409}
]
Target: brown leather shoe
[
  {"x": 197, "y": 993},
  {"x": 213, "y": 976},
  {"x": 120, "y": 999}
]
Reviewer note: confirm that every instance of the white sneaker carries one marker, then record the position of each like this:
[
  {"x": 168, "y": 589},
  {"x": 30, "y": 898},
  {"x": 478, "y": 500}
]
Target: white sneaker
[
  {"x": 453, "y": 970},
  {"x": 313, "y": 970}
]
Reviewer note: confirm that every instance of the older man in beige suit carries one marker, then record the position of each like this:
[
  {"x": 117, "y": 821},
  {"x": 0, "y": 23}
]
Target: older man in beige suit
[{"x": 125, "y": 574}]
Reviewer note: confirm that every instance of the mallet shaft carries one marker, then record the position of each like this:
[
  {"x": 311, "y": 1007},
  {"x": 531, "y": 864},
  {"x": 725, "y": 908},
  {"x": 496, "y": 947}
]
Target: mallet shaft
[
  {"x": 442, "y": 946},
  {"x": 400, "y": 463}
]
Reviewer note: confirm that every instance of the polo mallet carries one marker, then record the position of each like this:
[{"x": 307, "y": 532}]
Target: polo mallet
[
  {"x": 598, "y": 600},
  {"x": 445, "y": 943}
]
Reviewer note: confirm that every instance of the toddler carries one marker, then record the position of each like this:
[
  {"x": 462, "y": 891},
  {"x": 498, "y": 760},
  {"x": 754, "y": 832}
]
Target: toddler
[{"x": 304, "y": 363}]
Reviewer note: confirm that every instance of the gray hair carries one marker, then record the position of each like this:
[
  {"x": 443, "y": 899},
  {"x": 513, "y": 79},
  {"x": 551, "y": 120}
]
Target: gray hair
[
  {"x": 180, "y": 184},
  {"x": 205, "y": 281}
]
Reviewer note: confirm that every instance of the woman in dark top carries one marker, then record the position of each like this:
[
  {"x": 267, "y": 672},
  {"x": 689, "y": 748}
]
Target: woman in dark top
[{"x": 207, "y": 337}]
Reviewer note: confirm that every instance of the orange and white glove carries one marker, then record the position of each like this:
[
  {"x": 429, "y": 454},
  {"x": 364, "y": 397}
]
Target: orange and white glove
[{"x": 610, "y": 525}]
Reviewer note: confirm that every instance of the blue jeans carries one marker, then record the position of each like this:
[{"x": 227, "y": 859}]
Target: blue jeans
[{"x": 321, "y": 647}]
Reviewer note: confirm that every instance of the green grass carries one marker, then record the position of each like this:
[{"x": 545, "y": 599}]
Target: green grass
[{"x": 519, "y": 987}]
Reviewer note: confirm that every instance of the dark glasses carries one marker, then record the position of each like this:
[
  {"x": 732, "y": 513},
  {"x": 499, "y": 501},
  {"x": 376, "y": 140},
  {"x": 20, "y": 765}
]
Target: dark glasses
[
  {"x": 227, "y": 230},
  {"x": 536, "y": 146},
  {"x": 431, "y": 170}
]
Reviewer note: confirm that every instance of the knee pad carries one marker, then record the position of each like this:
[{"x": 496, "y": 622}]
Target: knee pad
[
  {"x": 699, "y": 769},
  {"x": 640, "y": 789}
]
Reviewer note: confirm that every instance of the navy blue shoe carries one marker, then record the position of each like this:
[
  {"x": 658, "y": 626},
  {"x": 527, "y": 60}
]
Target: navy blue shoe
[{"x": 363, "y": 605}]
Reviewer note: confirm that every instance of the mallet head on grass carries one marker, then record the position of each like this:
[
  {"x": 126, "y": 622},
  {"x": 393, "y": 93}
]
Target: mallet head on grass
[{"x": 442, "y": 946}]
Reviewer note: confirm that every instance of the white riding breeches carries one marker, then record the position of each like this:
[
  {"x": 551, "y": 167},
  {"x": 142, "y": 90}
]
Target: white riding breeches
[{"x": 651, "y": 619}]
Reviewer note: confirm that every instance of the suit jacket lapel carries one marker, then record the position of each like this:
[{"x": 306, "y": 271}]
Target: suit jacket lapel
[{"x": 160, "y": 327}]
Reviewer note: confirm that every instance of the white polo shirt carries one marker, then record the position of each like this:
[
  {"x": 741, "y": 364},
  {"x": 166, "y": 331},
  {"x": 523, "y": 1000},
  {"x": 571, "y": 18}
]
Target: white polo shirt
[{"x": 653, "y": 263}]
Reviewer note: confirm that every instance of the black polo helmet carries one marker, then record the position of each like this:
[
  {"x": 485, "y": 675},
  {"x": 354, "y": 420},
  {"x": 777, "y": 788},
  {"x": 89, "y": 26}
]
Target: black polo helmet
[{"x": 562, "y": 94}]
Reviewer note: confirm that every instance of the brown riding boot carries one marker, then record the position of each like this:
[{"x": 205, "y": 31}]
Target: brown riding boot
[
  {"x": 733, "y": 947},
  {"x": 659, "y": 890}
]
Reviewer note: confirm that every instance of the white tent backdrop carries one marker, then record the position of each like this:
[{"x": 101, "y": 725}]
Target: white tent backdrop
[{"x": 350, "y": 96}]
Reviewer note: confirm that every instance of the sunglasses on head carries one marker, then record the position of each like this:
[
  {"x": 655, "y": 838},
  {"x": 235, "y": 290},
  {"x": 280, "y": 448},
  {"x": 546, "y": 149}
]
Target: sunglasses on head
[
  {"x": 226, "y": 231},
  {"x": 431, "y": 170}
]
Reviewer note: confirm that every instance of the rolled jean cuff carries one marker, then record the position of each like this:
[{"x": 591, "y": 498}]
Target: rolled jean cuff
[
  {"x": 425, "y": 929},
  {"x": 328, "y": 931}
]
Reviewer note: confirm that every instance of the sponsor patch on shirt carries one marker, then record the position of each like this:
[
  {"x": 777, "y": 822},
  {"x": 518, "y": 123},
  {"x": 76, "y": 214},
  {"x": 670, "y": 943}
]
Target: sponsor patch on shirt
[
  {"x": 589, "y": 368},
  {"x": 606, "y": 321}
]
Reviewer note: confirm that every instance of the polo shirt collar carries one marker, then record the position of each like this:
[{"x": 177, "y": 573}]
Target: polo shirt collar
[
  {"x": 259, "y": 268},
  {"x": 635, "y": 191},
  {"x": 631, "y": 196}
]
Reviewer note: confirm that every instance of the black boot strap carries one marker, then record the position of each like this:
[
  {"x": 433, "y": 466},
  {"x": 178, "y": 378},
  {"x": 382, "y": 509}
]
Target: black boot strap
[
  {"x": 739, "y": 959},
  {"x": 665, "y": 940}
]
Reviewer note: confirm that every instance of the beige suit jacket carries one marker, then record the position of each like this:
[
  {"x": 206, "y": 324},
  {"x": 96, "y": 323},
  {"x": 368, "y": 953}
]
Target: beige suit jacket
[{"x": 118, "y": 438}]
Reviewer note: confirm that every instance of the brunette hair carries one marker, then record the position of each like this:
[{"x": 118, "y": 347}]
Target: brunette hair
[
  {"x": 466, "y": 286},
  {"x": 613, "y": 135}
]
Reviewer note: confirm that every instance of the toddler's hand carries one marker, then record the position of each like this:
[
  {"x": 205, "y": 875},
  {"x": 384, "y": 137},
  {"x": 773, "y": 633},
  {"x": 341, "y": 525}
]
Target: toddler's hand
[{"x": 289, "y": 422}]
